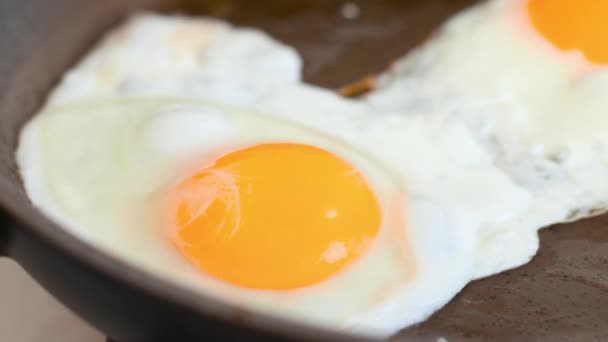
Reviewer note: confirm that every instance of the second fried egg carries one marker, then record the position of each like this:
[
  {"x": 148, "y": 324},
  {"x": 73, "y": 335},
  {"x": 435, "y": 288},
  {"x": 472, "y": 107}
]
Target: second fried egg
[{"x": 527, "y": 78}]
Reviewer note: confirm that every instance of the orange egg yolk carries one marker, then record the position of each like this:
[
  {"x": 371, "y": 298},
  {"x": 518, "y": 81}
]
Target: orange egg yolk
[
  {"x": 573, "y": 25},
  {"x": 274, "y": 216}
]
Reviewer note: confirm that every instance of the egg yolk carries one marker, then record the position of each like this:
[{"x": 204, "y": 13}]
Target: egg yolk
[
  {"x": 573, "y": 25},
  {"x": 274, "y": 216}
]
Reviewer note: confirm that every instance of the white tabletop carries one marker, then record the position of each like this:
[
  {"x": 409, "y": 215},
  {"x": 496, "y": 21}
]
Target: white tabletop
[{"x": 29, "y": 314}]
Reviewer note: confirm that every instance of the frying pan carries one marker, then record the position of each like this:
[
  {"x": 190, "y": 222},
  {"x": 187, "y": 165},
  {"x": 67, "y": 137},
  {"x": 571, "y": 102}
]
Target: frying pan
[{"x": 561, "y": 295}]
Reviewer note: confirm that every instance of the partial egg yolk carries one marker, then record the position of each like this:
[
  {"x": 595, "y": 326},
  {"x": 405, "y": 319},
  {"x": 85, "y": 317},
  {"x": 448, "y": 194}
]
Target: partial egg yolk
[
  {"x": 573, "y": 25},
  {"x": 274, "y": 216}
]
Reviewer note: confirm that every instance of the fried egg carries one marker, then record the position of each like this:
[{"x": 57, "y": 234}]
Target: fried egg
[
  {"x": 527, "y": 78},
  {"x": 269, "y": 214},
  {"x": 247, "y": 185}
]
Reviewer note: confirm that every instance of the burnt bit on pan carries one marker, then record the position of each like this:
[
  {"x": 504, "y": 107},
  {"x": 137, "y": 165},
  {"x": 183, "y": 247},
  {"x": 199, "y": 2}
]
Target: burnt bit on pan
[{"x": 358, "y": 88}]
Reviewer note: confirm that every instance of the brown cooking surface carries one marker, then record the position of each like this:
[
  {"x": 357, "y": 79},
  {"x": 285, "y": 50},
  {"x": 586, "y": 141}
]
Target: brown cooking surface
[{"x": 563, "y": 293}]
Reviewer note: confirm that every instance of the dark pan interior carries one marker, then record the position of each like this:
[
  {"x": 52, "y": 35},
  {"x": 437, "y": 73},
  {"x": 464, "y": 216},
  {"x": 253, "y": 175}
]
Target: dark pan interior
[{"x": 561, "y": 295}]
